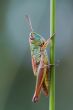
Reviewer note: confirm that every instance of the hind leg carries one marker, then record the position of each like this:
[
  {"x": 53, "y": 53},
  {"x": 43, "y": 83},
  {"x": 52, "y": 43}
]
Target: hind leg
[{"x": 39, "y": 82}]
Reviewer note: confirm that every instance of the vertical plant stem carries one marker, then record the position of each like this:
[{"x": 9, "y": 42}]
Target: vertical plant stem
[{"x": 52, "y": 55}]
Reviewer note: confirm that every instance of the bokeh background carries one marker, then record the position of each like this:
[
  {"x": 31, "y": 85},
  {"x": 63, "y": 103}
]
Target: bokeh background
[{"x": 16, "y": 77}]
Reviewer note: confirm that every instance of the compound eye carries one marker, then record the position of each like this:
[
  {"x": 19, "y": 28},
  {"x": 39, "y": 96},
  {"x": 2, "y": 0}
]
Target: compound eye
[{"x": 31, "y": 36}]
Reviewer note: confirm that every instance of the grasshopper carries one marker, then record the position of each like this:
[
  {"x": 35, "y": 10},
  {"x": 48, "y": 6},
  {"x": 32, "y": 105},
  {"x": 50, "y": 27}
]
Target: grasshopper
[{"x": 40, "y": 62}]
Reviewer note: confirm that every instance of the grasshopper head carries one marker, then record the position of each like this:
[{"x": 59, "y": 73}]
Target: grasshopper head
[{"x": 35, "y": 38}]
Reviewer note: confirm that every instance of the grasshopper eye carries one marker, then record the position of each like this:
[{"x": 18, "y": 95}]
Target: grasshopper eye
[{"x": 31, "y": 36}]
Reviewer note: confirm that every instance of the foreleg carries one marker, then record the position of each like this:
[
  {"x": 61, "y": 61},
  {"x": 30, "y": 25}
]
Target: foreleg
[{"x": 46, "y": 43}]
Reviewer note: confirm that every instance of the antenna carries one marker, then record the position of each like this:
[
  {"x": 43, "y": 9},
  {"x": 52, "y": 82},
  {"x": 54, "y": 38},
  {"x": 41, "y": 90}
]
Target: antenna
[{"x": 29, "y": 22}]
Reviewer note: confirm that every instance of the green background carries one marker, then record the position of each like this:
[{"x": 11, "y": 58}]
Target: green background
[{"x": 16, "y": 77}]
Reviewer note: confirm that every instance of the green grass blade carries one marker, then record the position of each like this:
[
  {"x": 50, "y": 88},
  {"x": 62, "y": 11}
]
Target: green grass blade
[{"x": 52, "y": 55}]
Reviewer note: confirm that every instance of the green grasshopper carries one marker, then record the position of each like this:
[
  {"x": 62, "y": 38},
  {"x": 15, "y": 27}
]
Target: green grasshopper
[{"x": 40, "y": 62}]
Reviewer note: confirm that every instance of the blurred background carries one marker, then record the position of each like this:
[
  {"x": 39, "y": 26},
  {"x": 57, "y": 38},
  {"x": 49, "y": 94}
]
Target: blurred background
[{"x": 16, "y": 77}]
